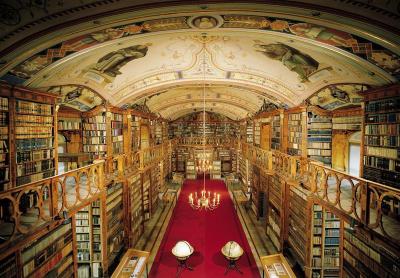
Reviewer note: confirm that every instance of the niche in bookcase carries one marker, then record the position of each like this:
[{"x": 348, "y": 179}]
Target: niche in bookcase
[
  {"x": 94, "y": 134},
  {"x": 319, "y": 135},
  {"x": 275, "y": 212},
  {"x": 116, "y": 133},
  {"x": 136, "y": 227},
  {"x": 295, "y": 131},
  {"x": 366, "y": 254},
  {"x": 381, "y": 152},
  {"x": 4, "y": 145},
  {"x": 325, "y": 243},
  {"x": 27, "y": 136},
  {"x": 277, "y": 125},
  {"x": 50, "y": 255},
  {"x": 298, "y": 205}
]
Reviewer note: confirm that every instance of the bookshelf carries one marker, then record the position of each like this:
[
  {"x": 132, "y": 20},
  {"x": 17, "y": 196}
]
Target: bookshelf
[
  {"x": 158, "y": 133},
  {"x": 299, "y": 204},
  {"x": 190, "y": 169},
  {"x": 136, "y": 209},
  {"x": 296, "y": 131},
  {"x": 381, "y": 152},
  {"x": 364, "y": 256},
  {"x": 4, "y": 145},
  {"x": 8, "y": 267},
  {"x": 135, "y": 133},
  {"x": 117, "y": 133},
  {"x": 249, "y": 132},
  {"x": 115, "y": 222},
  {"x": 69, "y": 124},
  {"x": 325, "y": 244},
  {"x": 95, "y": 237},
  {"x": 257, "y": 133},
  {"x": 319, "y": 135},
  {"x": 155, "y": 179},
  {"x": 94, "y": 135},
  {"x": 83, "y": 241},
  {"x": 34, "y": 141},
  {"x": 216, "y": 169},
  {"x": 274, "y": 211},
  {"x": 276, "y": 143},
  {"x": 146, "y": 195},
  {"x": 50, "y": 255}
]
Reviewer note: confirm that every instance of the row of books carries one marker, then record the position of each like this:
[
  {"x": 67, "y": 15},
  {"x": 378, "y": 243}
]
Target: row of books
[
  {"x": 319, "y": 152},
  {"x": 34, "y": 155},
  {"x": 117, "y": 117},
  {"x": 3, "y": 103},
  {"x": 34, "y": 143},
  {"x": 33, "y": 132},
  {"x": 95, "y": 148},
  {"x": 27, "y": 120},
  {"x": 383, "y": 105},
  {"x": 28, "y": 168},
  {"x": 382, "y": 129},
  {"x": 91, "y": 133},
  {"x": 96, "y": 126},
  {"x": 386, "y": 152},
  {"x": 93, "y": 140},
  {"x": 386, "y": 118},
  {"x": 69, "y": 124},
  {"x": 327, "y": 132},
  {"x": 95, "y": 119},
  {"x": 383, "y": 176},
  {"x": 117, "y": 125},
  {"x": 34, "y": 177},
  {"x": 349, "y": 126},
  {"x": 347, "y": 120},
  {"x": 382, "y": 163},
  {"x": 383, "y": 140},
  {"x": 33, "y": 108},
  {"x": 318, "y": 125},
  {"x": 4, "y": 118}
]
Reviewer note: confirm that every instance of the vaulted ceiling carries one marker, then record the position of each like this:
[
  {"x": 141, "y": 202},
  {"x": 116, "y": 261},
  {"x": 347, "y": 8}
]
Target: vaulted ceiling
[{"x": 238, "y": 56}]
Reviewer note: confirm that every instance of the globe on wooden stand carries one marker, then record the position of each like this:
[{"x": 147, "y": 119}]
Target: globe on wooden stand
[
  {"x": 232, "y": 252},
  {"x": 182, "y": 251}
]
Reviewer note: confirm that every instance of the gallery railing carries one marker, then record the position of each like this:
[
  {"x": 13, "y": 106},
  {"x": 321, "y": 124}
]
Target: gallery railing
[
  {"x": 23, "y": 209},
  {"x": 365, "y": 202},
  {"x": 208, "y": 141}
]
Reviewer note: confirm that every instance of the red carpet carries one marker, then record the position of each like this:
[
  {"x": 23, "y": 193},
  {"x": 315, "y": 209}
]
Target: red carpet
[{"x": 207, "y": 232}]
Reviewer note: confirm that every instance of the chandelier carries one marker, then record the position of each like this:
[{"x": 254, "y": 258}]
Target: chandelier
[{"x": 205, "y": 200}]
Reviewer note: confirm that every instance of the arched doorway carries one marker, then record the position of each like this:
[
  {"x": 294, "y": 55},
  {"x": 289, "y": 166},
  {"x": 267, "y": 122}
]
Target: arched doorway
[{"x": 354, "y": 154}]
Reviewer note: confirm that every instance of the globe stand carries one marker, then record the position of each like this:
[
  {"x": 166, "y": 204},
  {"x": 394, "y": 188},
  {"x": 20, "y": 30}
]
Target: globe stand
[
  {"x": 232, "y": 265},
  {"x": 182, "y": 265}
]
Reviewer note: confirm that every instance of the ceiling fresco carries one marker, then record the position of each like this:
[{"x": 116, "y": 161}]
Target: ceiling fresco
[
  {"x": 271, "y": 59},
  {"x": 77, "y": 97},
  {"x": 339, "y": 96}
]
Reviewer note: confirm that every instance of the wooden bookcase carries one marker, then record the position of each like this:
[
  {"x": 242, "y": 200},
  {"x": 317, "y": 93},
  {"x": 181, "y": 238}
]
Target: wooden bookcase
[
  {"x": 381, "y": 132},
  {"x": 277, "y": 134},
  {"x": 319, "y": 135},
  {"x": 365, "y": 255},
  {"x": 275, "y": 210},
  {"x": 295, "y": 131},
  {"x": 28, "y": 129},
  {"x": 298, "y": 206},
  {"x": 50, "y": 255},
  {"x": 146, "y": 195},
  {"x": 135, "y": 210},
  {"x": 117, "y": 132},
  {"x": 94, "y": 134},
  {"x": 5, "y": 177},
  {"x": 190, "y": 169},
  {"x": 325, "y": 243},
  {"x": 135, "y": 133},
  {"x": 216, "y": 169}
]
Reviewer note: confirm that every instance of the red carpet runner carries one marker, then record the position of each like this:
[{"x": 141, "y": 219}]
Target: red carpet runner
[{"x": 207, "y": 232}]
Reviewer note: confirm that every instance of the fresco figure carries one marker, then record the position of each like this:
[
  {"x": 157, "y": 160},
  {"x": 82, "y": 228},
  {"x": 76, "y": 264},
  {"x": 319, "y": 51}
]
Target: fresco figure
[
  {"x": 111, "y": 63},
  {"x": 303, "y": 64},
  {"x": 322, "y": 34}
]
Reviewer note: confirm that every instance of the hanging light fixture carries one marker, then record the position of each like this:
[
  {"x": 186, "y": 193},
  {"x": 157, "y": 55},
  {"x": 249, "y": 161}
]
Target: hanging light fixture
[{"x": 205, "y": 200}]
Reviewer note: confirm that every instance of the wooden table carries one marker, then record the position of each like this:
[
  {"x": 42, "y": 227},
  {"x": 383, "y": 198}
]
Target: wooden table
[
  {"x": 276, "y": 266},
  {"x": 133, "y": 261}
]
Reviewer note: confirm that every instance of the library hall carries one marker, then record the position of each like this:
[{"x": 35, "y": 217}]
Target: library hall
[{"x": 199, "y": 139}]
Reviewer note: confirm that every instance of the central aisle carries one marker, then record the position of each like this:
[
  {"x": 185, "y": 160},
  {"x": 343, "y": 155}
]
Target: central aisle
[{"x": 207, "y": 232}]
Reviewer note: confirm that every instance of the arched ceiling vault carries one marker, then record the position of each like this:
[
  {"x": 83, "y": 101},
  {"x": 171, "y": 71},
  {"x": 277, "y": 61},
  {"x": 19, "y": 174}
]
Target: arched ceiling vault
[{"x": 245, "y": 54}]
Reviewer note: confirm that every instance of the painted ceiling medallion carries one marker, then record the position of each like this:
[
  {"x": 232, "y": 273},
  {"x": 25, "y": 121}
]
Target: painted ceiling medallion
[{"x": 205, "y": 22}]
